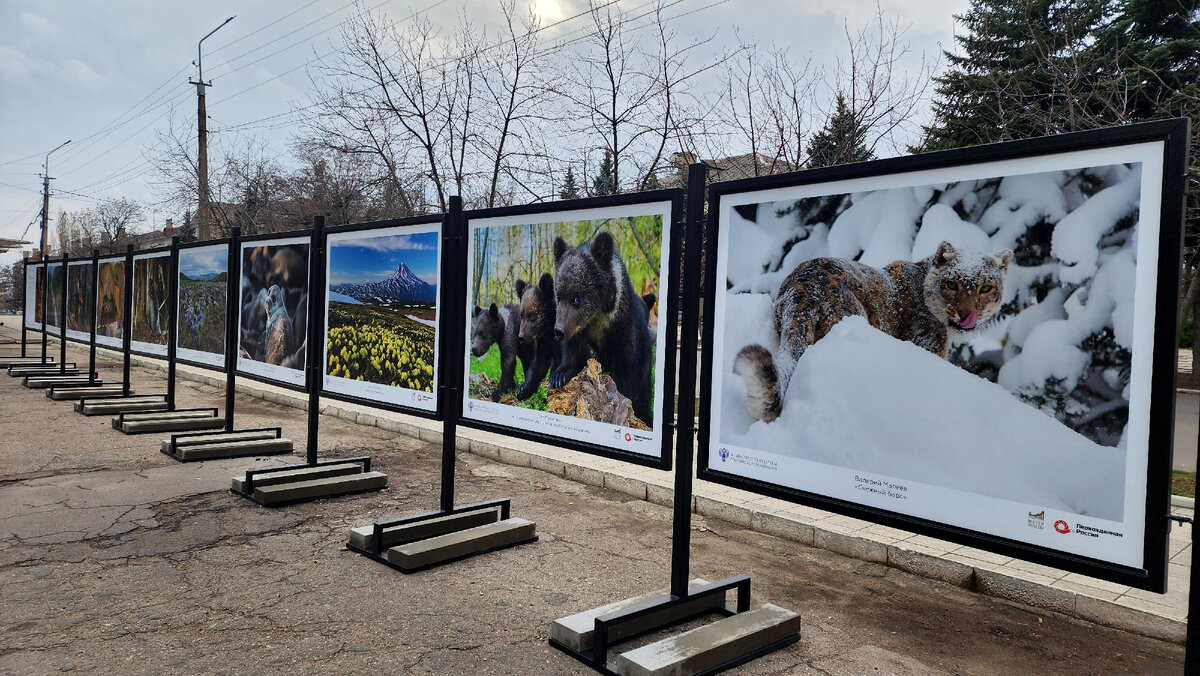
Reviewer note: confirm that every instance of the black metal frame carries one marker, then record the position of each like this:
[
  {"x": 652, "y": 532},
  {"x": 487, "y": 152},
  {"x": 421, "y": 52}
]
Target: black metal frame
[
  {"x": 79, "y": 263},
  {"x": 267, "y": 238},
  {"x": 157, "y": 252},
  {"x": 93, "y": 380},
  {"x": 1173, "y": 133},
  {"x": 452, "y": 305},
  {"x": 200, "y": 245},
  {"x": 610, "y": 628},
  {"x": 43, "y": 266},
  {"x": 103, "y": 260},
  {"x": 667, "y": 378},
  {"x": 438, "y": 413}
]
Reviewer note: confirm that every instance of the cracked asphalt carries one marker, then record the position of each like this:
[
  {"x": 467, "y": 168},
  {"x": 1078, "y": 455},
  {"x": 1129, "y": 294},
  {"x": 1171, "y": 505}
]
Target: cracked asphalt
[{"x": 115, "y": 559}]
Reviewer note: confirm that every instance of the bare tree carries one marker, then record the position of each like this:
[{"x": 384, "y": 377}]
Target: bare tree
[
  {"x": 677, "y": 107},
  {"x": 516, "y": 91},
  {"x": 879, "y": 92},
  {"x": 767, "y": 103},
  {"x": 110, "y": 223},
  {"x": 609, "y": 88},
  {"x": 389, "y": 92}
]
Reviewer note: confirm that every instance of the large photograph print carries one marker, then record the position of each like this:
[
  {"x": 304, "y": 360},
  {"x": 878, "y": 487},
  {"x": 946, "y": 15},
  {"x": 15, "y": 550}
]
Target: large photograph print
[
  {"x": 203, "y": 285},
  {"x": 110, "y": 303},
  {"x": 381, "y": 318},
  {"x": 33, "y": 296},
  {"x": 563, "y": 316},
  {"x": 54, "y": 301},
  {"x": 969, "y": 345},
  {"x": 80, "y": 298},
  {"x": 58, "y": 278},
  {"x": 273, "y": 318},
  {"x": 151, "y": 295}
]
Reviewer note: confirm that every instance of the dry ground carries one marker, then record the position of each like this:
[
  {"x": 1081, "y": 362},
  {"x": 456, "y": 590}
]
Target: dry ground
[{"x": 115, "y": 559}]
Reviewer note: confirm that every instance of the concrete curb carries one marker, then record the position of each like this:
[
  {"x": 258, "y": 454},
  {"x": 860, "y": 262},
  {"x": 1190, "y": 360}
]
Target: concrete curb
[{"x": 983, "y": 577}]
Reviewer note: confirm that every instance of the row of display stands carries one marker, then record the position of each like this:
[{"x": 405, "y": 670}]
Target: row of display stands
[{"x": 451, "y": 532}]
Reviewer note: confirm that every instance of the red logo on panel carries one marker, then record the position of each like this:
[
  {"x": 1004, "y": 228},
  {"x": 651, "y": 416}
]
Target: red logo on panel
[{"x": 1062, "y": 527}]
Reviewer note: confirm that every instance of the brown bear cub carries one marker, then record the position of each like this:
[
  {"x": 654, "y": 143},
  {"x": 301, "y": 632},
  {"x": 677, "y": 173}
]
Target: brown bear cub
[
  {"x": 596, "y": 309},
  {"x": 537, "y": 329},
  {"x": 501, "y": 326}
]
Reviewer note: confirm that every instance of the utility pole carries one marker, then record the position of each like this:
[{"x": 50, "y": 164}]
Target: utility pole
[
  {"x": 204, "y": 211},
  {"x": 46, "y": 196}
]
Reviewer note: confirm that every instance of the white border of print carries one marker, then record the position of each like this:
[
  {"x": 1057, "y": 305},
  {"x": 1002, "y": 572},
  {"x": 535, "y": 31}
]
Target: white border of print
[
  {"x": 31, "y": 321},
  {"x": 72, "y": 333},
  {"x": 401, "y": 396},
  {"x": 986, "y": 515},
  {"x": 137, "y": 345},
  {"x": 641, "y": 442},
  {"x": 111, "y": 341},
  {"x": 199, "y": 356},
  {"x": 46, "y": 313},
  {"x": 275, "y": 372}
]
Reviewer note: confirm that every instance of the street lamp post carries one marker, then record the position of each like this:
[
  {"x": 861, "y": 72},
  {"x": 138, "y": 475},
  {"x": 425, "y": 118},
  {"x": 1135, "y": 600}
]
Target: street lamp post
[
  {"x": 203, "y": 211},
  {"x": 46, "y": 195}
]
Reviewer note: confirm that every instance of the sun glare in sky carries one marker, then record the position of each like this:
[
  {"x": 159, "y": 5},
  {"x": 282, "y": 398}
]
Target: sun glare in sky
[{"x": 548, "y": 10}]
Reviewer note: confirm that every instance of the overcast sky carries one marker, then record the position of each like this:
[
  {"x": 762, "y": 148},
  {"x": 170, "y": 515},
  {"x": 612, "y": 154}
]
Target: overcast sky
[{"x": 78, "y": 70}]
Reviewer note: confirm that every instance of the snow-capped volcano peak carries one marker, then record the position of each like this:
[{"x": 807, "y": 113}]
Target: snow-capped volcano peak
[
  {"x": 405, "y": 276},
  {"x": 401, "y": 285}
]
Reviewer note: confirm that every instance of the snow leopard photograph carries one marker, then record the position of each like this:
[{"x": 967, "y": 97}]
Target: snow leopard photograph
[{"x": 973, "y": 335}]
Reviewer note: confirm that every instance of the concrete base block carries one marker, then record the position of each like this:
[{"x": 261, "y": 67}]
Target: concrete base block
[
  {"x": 149, "y": 416},
  {"x": 710, "y": 646},
  {"x": 68, "y": 393},
  {"x": 575, "y": 631},
  {"x": 6, "y": 362},
  {"x": 40, "y": 370},
  {"x": 361, "y": 537},
  {"x": 319, "y": 488},
  {"x": 462, "y": 543},
  {"x": 116, "y": 406},
  {"x": 302, "y": 474},
  {"x": 46, "y": 382},
  {"x": 216, "y": 438},
  {"x": 234, "y": 449},
  {"x": 173, "y": 424}
]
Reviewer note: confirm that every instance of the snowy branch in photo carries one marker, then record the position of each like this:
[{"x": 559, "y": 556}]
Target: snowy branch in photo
[{"x": 1062, "y": 339}]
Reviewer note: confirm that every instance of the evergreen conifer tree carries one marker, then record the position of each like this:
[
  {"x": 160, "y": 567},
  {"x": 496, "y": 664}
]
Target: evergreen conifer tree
[
  {"x": 841, "y": 141},
  {"x": 570, "y": 190},
  {"x": 605, "y": 182}
]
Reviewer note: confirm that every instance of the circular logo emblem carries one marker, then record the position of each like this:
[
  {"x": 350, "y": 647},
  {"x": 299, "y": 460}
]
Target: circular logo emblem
[
  {"x": 1062, "y": 527},
  {"x": 628, "y": 436}
]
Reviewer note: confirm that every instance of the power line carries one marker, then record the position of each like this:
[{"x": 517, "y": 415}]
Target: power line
[{"x": 263, "y": 28}]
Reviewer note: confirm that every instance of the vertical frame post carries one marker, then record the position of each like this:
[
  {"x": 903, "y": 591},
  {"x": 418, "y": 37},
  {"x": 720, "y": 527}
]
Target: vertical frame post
[
  {"x": 316, "y": 333},
  {"x": 1191, "y": 655},
  {"x": 25, "y": 302},
  {"x": 127, "y": 310},
  {"x": 62, "y": 321},
  {"x": 172, "y": 322},
  {"x": 454, "y": 295},
  {"x": 233, "y": 310},
  {"x": 45, "y": 304},
  {"x": 681, "y": 531},
  {"x": 94, "y": 316}
]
